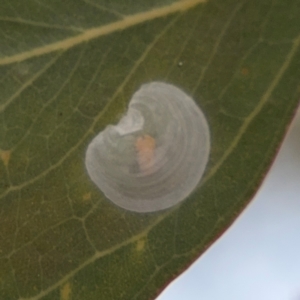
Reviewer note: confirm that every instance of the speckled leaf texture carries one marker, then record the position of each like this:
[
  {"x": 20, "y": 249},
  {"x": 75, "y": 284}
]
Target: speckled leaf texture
[{"x": 68, "y": 69}]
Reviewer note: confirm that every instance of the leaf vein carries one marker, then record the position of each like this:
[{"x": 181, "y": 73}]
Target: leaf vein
[
  {"x": 28, "y": 83},
  {"x": 22, "y": 21},
  {"x": 103, "y": 8},
  {"x": 257, "y": 109},
  {"x": 217, "y": 45}
]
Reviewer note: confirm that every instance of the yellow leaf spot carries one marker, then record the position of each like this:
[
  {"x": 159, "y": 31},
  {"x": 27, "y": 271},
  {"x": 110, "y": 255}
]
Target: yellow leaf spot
[
  {"x": 245, "y": 71},
  {"x": 87, "y": 197},
  {"x": 140, "y": 245},
  {"x": 65, "y": 292},
  {"x": 5, "y": 156}
]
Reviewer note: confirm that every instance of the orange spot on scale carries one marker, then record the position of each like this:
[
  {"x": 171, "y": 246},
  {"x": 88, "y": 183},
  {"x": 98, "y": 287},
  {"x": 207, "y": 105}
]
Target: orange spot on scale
[{"x": 145, "y": 148}]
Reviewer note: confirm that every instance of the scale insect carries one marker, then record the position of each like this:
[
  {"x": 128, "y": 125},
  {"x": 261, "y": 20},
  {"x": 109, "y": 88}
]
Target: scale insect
[{"x": 156, "y": 155}]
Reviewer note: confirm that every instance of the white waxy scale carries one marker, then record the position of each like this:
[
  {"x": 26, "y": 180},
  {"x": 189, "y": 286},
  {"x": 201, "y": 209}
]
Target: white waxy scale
[{"x": 157, "y": 153}]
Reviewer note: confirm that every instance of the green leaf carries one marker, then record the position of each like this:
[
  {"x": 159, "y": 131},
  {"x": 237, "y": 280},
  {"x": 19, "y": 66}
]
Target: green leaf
[{"x": 68, "y": 69}]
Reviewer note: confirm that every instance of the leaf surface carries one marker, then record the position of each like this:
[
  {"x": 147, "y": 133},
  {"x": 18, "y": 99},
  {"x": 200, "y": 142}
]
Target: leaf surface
[{"x": 67, "y": 70}]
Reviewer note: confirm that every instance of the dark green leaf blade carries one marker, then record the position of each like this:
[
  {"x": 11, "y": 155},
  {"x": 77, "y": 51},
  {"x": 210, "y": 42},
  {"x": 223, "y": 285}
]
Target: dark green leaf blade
[{"x": 60, "y": 238}]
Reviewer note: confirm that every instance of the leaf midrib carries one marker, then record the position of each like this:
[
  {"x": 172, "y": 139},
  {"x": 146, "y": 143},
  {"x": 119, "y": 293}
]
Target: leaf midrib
[{"x": 93, "y": 33}]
